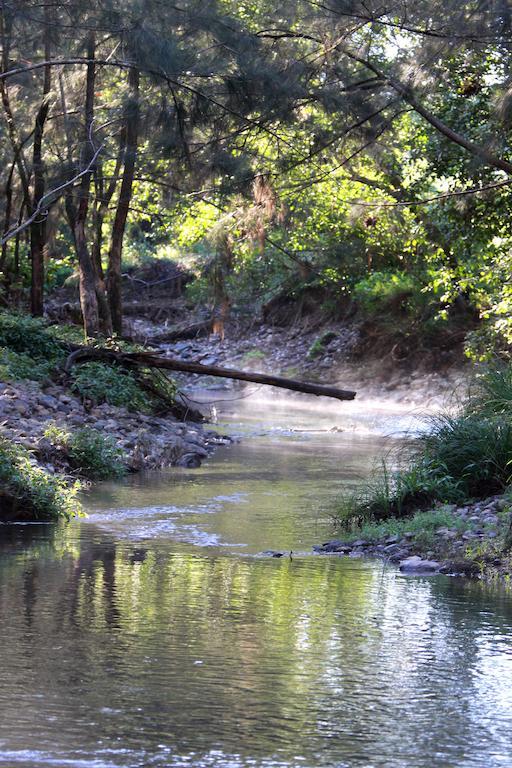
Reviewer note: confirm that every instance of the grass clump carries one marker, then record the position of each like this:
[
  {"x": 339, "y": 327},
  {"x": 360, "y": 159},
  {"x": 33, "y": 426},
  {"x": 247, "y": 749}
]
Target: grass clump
[
  {"x": 422, "y": 526},
  {"x": 319, "y": 345},
  {"x": 101, "y": 383},
  {"x": 28, "y": 492},
  {"x": 89, "y": 452},
  {"x": 461, "y": 457}
]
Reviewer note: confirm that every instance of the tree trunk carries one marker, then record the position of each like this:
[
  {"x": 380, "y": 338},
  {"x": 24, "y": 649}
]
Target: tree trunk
[
  {"x": 38, "y": 226},
  {"x": 7, "y": 216},
  {"x": 93, "y": 301},
  {"x": 123, "y": 205}
]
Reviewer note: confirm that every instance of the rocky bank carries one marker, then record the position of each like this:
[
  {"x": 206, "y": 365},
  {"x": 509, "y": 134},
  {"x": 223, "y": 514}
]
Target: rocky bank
[
  {"x": 468, "y": 543},
  {"x": 146, "y": 441}
]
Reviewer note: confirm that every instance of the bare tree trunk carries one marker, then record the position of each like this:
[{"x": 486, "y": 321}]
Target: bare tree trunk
[
  {"x": 123, "y": 205},
  {"x": 38, "y": 226},
  {"x": 92, "y": 294}
]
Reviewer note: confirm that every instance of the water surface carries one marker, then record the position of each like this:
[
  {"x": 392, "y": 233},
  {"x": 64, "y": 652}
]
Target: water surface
[{"x": 155, "y": 634}]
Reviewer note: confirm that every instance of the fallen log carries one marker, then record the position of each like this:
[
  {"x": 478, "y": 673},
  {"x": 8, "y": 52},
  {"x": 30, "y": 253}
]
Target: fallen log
[{"x": 152, "y": 360}]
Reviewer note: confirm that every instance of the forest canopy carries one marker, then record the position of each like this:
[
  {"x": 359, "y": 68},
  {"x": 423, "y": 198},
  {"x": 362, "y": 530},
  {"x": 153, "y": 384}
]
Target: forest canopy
[{"x": 356, "y": 148}]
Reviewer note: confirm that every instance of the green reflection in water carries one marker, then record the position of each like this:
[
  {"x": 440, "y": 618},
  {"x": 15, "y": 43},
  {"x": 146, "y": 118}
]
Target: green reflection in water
[{"x": 124, "y": 653}]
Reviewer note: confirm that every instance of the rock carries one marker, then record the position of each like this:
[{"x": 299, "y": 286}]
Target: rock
[
  {"x": 76, "y": 420},
  {"x": 333, "y": 546},
  {"x": 196, "y": 449},
  {"x": 392, "y": 539},
  {"x": 48, "y": 401},
  {"x": 459, "y": 568},
  {"x": 360, "y": 543},
  {"x": 190, "y": 461},
  {"x": 415, "y": 564},
  {"x": 446, "y": 533},
  {"x": 399, "y": 556},
  {"x": 273, "y": 553}
]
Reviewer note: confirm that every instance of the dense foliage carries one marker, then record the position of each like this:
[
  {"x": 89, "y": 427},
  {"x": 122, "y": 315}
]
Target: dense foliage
[
  {"x": 90, "y": 453},
  {"x": 358, "y": 150}
]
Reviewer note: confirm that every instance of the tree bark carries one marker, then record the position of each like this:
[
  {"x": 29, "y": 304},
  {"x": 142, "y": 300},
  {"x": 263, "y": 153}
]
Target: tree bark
[
  {"x": 114, "y": 279},
  {"x": 103, "y": 197}
]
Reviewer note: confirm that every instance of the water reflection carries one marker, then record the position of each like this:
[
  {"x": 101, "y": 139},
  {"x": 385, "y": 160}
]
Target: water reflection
[
  {"x": 153, "y": 635},
  {"x": 119, "y": 655}
]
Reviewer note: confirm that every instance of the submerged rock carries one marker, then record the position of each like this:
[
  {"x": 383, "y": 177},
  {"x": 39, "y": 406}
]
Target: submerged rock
[{"x": 274, "y": 553}]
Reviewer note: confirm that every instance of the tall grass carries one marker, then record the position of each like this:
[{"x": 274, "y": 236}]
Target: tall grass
[{"x": 461, "y": 457}]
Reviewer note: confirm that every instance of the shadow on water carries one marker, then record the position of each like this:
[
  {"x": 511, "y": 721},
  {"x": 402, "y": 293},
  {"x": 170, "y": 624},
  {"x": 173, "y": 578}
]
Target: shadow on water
[{"x": 126, "y": 644}]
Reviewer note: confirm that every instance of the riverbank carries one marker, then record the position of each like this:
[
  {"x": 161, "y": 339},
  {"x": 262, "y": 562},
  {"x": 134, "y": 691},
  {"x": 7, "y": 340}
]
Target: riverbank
[
  {"x": 94, "y": 422},
  {"x": 146, "y": 441},
  {"x": 326, "y": 353},
  {"x": 458, "y": 540}
]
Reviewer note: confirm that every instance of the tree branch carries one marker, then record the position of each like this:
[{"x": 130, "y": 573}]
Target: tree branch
[{"x": 43, "y": 203}]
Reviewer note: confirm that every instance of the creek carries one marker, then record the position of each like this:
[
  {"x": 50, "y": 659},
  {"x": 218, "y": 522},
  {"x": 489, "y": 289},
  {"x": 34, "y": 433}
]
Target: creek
[{"x": 155, "y": 633}]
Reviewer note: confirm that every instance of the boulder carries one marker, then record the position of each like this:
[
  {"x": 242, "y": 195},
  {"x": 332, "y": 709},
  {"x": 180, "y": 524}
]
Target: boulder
[{"x": 415, "y": 564}]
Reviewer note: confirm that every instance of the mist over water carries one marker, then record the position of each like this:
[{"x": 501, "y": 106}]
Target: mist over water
[{"x": 155, "y": 634}]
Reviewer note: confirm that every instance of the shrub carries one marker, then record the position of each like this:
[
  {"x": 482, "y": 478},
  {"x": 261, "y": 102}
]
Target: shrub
[
  {"x": 29, "y": 336},
  {"x": 89, "y": 452},
  {"x": 30, "y": 493},
  {"x": 103, "y": 383},
  {"x": 381, "y": 290}
]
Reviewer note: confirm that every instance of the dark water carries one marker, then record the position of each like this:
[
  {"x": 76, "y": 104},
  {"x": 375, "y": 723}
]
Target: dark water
[{"x": 153, "y": 635}]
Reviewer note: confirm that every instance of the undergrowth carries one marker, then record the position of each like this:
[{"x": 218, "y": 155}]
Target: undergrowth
[
  {"x": 89, "y": 452},
  {"x": 101, "y": 383},
  {"x": 422, "y": 526},
  {"x": 29, "y": 492}
]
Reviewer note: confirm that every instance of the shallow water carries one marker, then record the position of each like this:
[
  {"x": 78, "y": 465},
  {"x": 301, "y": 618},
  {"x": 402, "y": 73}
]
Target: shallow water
[{"x": 155, "y": 634}]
